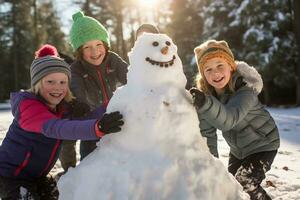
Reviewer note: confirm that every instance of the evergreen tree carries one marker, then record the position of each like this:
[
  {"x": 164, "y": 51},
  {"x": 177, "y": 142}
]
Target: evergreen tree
[
  {"x": 4, "y": 49},
  {"x": 22, "y": 43},
  {"x": 185, "y": 27},
  {"x": 270, "y": 44},
  {"x": 24, "y": 26},
  {"x": 49, "y": 28},
  {"x": 296, "y": 17},
  {"x": 260, "y": 33},
  {"x": 222, "y": 22}
]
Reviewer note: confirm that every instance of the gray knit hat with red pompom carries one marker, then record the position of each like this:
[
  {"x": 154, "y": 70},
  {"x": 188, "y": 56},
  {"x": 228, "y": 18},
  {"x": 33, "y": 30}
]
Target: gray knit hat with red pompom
[{"x": 46, "y": 62}]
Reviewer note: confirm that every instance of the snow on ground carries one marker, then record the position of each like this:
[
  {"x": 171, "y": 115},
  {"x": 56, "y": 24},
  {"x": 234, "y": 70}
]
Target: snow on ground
[{"x": 282, "y": 181}]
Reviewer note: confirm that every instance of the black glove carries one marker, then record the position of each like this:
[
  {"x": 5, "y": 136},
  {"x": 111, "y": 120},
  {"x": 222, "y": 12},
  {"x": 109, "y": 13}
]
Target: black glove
[
  {"x": 239, "y": 83},
  {"x": 78, "y": 109},
  {"x": 111, "y": 123},
  {"x": 198, "y": 97}
]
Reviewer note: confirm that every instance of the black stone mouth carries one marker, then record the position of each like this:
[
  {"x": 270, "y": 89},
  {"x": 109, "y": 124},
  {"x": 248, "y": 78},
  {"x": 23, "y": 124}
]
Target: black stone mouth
[{"x": 161, "y": 64}]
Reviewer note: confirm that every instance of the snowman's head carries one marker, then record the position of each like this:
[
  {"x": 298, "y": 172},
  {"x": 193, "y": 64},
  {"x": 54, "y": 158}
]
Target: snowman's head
[
  {"x": 155, "y": 49},
  {"x": 154, "y": 56}
]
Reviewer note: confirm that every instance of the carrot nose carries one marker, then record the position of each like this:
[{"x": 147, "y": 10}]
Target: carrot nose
[{"x": 164, "y": 50}]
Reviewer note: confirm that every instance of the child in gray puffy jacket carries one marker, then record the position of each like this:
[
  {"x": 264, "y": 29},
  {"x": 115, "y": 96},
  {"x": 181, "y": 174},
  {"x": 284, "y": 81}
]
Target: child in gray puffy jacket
[{"x": 227, "y": 99}]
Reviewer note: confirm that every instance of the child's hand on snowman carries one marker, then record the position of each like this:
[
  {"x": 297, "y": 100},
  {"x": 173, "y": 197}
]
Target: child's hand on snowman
[
  {"x": 110, "y": 122},
  {"x": 198, "y": 97}
]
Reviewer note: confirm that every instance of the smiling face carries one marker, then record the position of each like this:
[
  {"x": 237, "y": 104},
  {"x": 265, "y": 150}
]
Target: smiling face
[
  {"x": 156, "y": 49},
  {"x": 164, "y": 50},
  {"x": 54, "y": 88},
  {"x": 94, "y": 52},
  {"x": 154, "y": 61},
  {"x": 217, "y": 73}
]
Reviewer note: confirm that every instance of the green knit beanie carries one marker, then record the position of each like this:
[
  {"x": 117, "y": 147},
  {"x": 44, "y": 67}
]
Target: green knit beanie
[{"x": 85, "y": 29}]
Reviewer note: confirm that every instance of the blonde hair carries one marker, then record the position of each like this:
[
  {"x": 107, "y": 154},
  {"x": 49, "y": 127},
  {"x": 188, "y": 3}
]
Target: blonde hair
[
  {"x": 37, "y": 87},
  {"x": 206, "y": 51}
]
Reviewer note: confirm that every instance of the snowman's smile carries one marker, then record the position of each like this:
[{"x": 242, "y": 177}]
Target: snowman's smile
[{"x": 160, "y": 63}]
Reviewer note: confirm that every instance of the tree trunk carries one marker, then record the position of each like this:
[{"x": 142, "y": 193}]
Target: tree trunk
[
  {"x": 14, "y": 47},
  {"x": 132, "y": 31},
  {"x": 296, "y": 9},
  {"x": 124, "y": 48},
  {"x": 120, "y": 37},
  {"x": 87, "y": 8},
  {"x": 267, "y": 95},
  {"x": 35, "y": 22}
]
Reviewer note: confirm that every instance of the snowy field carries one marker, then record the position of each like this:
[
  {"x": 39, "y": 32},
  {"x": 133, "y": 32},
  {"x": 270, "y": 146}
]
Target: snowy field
[{"x": 282, "y": 181}]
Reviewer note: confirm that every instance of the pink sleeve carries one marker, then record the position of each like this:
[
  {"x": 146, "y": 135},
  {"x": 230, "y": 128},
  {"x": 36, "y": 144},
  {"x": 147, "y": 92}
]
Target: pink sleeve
[{"x": 33, "y": 115}]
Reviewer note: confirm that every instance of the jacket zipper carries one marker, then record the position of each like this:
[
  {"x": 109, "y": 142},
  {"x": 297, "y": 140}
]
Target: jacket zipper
[
  {"x": 104, "y": 93},
  {"x": 50, "y": 161}
]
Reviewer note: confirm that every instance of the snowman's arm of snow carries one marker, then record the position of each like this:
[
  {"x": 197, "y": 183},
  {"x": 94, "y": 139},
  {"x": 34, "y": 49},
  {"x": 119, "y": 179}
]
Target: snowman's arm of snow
[
  {"x": 210, "y": 133},
  {"x": 226, "y": 116}
]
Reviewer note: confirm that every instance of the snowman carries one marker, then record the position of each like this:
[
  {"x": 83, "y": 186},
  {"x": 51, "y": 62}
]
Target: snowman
[{"x": 159, "y": 154}]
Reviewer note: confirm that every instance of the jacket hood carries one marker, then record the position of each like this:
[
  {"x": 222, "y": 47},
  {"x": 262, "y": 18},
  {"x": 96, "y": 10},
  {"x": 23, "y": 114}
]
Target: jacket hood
[
  {"x": 17, "y": 97},
  {"x": 250, "y": 75}
]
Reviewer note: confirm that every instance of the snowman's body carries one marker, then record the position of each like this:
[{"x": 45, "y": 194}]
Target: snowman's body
[{"x": 159, "y": 154}]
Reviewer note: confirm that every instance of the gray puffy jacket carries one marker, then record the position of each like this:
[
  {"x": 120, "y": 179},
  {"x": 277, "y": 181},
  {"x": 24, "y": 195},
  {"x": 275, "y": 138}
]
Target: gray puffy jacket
[{"x": 245, "y": 124}]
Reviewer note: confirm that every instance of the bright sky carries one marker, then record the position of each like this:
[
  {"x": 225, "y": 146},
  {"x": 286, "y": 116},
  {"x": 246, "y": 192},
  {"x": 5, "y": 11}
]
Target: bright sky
[
  {"x": 148, "y": 12},
  {"x": 65, "y": 9},
  {"x": 148, "y": 2}
]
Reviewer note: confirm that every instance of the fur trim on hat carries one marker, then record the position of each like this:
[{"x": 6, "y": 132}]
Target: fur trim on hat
[{"x": 250, "y": 76}]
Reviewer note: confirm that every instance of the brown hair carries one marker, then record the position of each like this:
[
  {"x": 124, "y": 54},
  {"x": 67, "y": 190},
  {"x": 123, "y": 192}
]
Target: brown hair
[
  {"x": 148, "y": 28},
  {"x": 79, "y": 52}
]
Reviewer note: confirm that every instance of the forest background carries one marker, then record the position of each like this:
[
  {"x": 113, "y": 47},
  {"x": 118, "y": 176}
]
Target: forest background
[{"x": 264, "y": 33}]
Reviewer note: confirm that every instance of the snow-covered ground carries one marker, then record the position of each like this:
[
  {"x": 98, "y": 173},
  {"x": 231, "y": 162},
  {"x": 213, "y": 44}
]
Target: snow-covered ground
[{"x": 282, "y": 181}]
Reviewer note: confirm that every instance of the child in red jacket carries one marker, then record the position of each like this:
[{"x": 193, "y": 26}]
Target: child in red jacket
[{"x": 32, "y": 143}]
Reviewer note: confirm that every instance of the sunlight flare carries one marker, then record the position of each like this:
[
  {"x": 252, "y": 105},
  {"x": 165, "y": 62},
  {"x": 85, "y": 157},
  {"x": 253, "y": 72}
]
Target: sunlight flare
[{"x": 148, "y": 3}]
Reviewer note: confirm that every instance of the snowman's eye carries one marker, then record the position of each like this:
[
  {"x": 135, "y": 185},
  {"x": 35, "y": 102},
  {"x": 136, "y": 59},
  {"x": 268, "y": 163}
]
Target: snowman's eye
[
  {"x": 168, "y": 43},
  {"x": 155, "y": 44}
]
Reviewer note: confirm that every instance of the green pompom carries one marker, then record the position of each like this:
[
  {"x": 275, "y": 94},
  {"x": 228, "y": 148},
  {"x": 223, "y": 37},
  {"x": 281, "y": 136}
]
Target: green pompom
[{"x": 77, "y": 15}]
